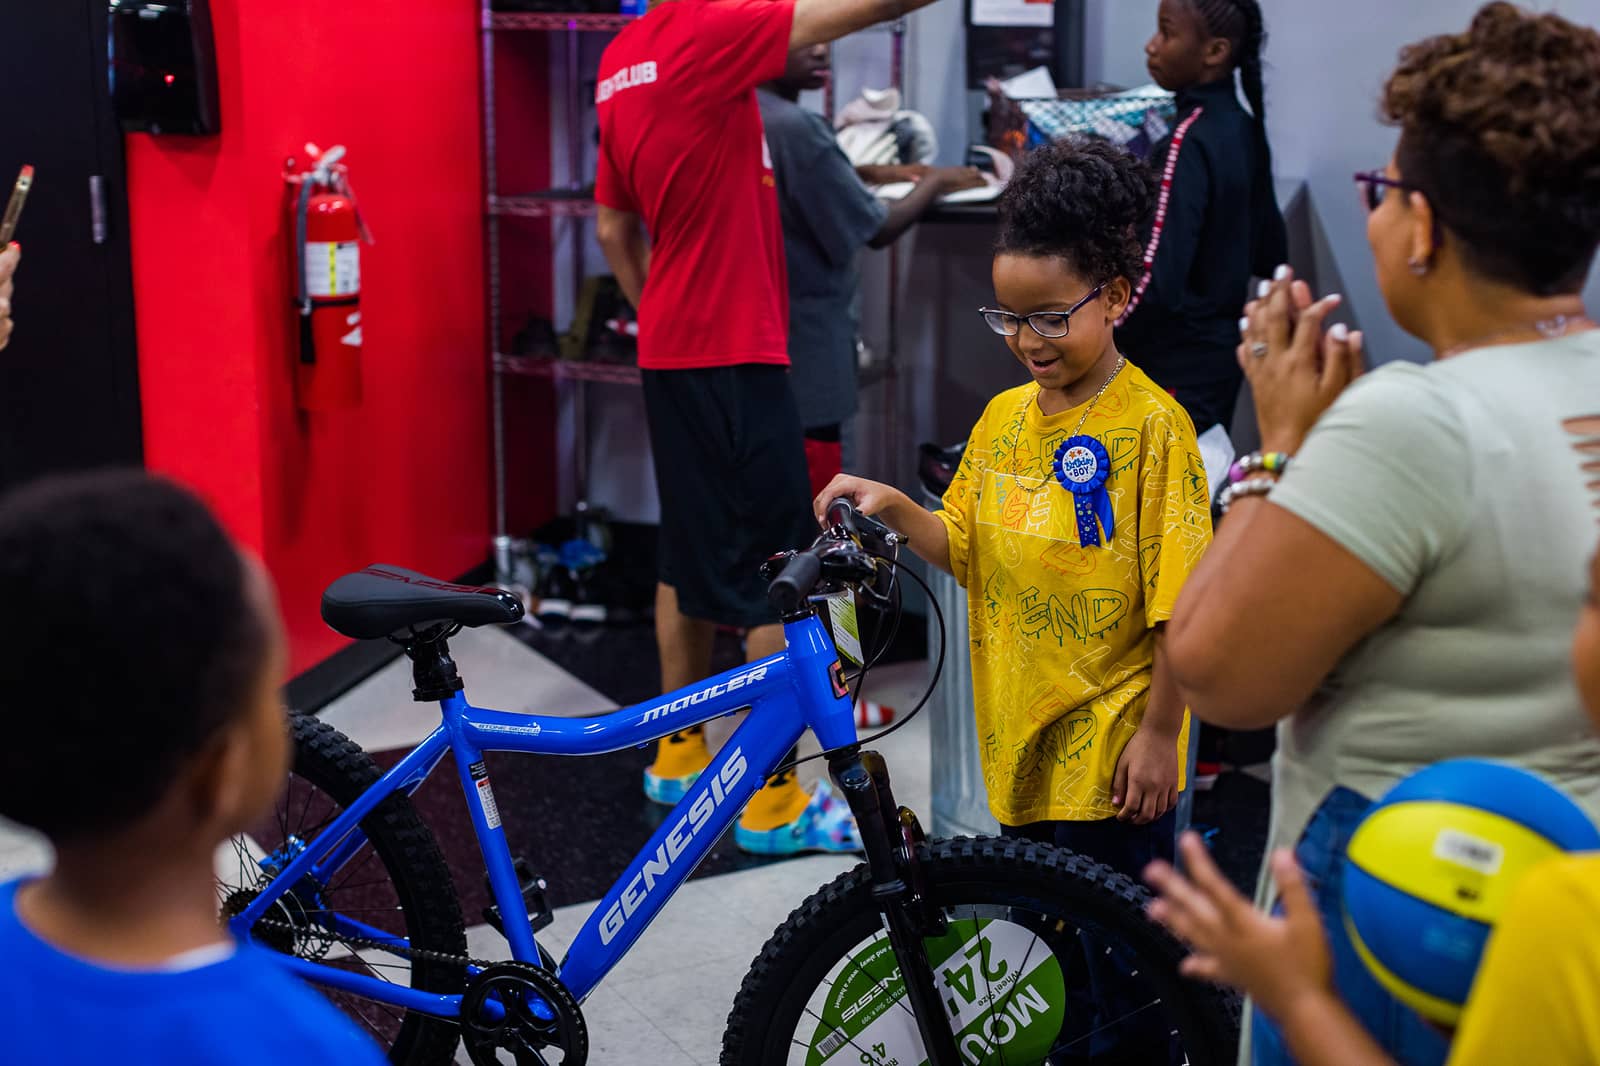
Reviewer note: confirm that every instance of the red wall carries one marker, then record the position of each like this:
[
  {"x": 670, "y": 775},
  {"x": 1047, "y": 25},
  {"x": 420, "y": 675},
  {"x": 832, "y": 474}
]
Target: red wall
[{"x": 406, "y": 478}]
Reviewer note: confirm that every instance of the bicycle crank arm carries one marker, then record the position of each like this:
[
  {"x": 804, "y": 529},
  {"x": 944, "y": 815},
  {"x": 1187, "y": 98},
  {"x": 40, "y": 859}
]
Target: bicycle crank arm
[{"x": 863, "y": 777}]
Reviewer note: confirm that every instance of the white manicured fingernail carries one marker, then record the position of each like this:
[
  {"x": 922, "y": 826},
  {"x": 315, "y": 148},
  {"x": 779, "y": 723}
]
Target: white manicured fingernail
[
  {"x": 1339, "y": 331},
  {"x": 1281, "y": 273},
  {"x": 1244, "y": 326},
  {"x": 1333, "y": 298},
  {"x": 1263, "y": 290}
]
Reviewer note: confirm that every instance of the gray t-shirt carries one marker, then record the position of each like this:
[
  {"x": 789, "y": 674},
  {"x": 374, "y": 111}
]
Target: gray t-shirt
[
  {"x": 1457, "y": 484},
  {"x": 828, "y": 217}
]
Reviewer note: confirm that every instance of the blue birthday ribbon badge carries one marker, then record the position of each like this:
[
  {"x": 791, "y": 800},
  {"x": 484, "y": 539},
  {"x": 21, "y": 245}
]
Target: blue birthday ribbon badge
[{"x": 1082, "y": 467}]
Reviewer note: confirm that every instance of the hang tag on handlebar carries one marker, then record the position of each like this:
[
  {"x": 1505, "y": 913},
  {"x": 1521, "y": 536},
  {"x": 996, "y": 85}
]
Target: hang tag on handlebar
[{"x": 846, "y": 626}]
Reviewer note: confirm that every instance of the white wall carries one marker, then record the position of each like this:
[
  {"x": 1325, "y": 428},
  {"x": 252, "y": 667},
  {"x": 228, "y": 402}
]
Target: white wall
[
  {"x": 1325, "y": 69},
  {"x": 1326, "y": 63}
]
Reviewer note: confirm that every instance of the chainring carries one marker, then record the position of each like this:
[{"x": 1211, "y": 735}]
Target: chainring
[{"x": 522, "y": 994}]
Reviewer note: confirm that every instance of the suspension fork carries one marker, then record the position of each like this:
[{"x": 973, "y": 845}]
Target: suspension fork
[{"x": 889, "y": 834}]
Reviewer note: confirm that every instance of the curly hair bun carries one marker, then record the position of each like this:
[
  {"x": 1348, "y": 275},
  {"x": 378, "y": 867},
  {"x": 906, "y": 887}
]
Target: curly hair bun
[
  {"x": 1500, "y": 128},
  {"x": 1083, "y": 200}
]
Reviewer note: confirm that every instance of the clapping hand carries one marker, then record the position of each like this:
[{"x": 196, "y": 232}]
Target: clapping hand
[{"x": 1296, "y": 368}]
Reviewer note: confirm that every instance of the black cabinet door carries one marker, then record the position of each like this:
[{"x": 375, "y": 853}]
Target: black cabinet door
[{"x": 69, "y": 389}]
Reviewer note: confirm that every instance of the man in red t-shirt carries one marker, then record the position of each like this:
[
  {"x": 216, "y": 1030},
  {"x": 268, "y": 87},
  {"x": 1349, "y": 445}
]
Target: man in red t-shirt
[{"x": 683, "y": 158}]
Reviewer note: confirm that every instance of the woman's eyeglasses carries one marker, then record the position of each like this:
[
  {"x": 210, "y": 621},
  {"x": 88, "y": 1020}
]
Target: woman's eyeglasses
[
  {"x": 1052, "y": 325},
  {"x": 1375, "y": 184}
]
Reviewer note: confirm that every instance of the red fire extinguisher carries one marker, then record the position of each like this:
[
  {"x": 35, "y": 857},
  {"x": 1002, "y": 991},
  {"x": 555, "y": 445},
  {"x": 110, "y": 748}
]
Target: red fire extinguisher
[{"x": 325, "y": 249}]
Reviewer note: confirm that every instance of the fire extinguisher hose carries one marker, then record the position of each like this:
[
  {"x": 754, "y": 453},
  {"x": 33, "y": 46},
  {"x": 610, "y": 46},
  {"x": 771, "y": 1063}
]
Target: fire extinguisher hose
[{"x": 302, "y": 296}]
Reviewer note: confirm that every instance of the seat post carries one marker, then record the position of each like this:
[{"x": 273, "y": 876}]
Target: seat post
[{"x": 432, "y": 669}]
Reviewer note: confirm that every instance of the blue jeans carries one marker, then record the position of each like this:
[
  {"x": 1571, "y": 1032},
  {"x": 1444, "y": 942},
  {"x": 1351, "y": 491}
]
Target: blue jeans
[{"x": 1398, "y": 1029}]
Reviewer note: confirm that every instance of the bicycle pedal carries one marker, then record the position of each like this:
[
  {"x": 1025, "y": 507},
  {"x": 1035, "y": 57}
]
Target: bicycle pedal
[{"x": 533, "y": 889}]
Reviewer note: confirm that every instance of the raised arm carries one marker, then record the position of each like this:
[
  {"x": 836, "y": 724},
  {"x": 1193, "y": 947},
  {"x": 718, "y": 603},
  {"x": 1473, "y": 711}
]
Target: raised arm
[{"x": 822, "y": 21}]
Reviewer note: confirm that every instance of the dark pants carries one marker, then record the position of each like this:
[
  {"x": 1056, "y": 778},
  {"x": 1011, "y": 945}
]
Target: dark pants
[
  {"x": 1112, "y": 997},
  {"x": 1123, "y": 846}
]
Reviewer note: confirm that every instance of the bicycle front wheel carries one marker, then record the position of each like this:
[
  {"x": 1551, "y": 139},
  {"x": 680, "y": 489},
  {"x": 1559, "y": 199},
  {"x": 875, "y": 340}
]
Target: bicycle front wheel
[{"x": 1049, "y": 958}]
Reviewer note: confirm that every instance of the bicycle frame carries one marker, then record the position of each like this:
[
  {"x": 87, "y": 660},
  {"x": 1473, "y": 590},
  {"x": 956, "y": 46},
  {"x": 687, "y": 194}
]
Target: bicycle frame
[{"x": 801, "y": 688}]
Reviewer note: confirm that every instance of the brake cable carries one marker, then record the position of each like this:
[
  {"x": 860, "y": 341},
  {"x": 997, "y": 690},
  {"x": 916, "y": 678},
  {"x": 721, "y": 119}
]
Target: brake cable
[{"x": 861, "y": 678}]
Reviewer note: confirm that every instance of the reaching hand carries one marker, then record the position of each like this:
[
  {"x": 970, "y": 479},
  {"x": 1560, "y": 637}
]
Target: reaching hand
[
  {"x": 954, "y": 179},
  {"x": 868, "y": 497},
  {"x": 1278, "y": 961},
  {"x": 1296, "y": 370}
]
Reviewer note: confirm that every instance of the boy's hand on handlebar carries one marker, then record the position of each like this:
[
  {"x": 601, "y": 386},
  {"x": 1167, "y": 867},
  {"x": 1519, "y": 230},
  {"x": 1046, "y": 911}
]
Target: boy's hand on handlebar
[{"x": 868, "y": 497}]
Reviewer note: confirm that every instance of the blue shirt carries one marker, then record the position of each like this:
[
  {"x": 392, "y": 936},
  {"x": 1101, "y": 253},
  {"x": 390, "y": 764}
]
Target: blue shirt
[{"x": 58, "y": 1010}]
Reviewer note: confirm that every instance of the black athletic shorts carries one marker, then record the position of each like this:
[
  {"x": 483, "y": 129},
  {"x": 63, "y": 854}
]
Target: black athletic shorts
[{"x": 731, "y": 472}]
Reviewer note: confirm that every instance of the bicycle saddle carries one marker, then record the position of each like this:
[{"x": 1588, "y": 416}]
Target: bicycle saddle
[{"x": 381, "y": 601}]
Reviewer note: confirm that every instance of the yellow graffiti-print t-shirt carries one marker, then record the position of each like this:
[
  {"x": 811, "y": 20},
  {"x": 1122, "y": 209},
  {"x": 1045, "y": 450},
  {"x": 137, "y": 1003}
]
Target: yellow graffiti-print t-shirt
[{"x": 1062, "y": 637}]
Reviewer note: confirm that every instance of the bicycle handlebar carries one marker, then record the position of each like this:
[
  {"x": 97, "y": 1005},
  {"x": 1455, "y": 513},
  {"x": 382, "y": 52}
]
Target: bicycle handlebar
[
  {"x": 848, "y": 550},
  {"x": 800, "y": 575},
  {"x": 842, "y": 514}
]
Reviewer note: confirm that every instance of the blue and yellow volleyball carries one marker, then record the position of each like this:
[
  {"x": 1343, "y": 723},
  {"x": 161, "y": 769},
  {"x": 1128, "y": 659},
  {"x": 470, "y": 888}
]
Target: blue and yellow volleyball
[{"x": 1430, "y": 868}]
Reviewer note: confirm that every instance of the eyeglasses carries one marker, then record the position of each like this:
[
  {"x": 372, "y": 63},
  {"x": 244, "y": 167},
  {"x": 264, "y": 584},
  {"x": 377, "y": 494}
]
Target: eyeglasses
[
  {"x": 1374, "y": 185},
  {"x": 1052, "y": 325}
]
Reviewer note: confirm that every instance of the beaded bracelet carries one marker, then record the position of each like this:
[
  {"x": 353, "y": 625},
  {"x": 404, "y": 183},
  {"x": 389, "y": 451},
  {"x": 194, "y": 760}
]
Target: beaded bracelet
[
  {"x": 1256, "y": 486},
  {"x": 1258, "y": 462}
]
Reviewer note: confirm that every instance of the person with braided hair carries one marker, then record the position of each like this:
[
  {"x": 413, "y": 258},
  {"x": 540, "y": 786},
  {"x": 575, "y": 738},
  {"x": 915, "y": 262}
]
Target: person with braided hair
[{"x": 1217, "y": 224}]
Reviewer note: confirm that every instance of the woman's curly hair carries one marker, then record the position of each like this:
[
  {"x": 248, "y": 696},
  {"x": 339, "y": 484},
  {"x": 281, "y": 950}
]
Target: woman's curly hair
[
  {"x": 1500, "y": 130},
  {"x": 1083, "y": 200}
]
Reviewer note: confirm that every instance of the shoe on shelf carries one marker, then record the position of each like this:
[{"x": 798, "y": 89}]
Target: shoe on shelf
[
  {"x": 825, "y": 825},
  {"x": 583, "y": 562},
  {"x": 555, "y": 596},
  {"x": 1206, "y": 774}
]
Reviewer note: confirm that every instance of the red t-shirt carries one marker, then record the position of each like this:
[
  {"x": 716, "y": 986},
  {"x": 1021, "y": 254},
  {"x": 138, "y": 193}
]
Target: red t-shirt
[{"x": 681, "y": 145}]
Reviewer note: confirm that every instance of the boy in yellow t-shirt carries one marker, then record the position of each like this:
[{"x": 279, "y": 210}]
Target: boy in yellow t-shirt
[{"x": 1078, "y": 510}]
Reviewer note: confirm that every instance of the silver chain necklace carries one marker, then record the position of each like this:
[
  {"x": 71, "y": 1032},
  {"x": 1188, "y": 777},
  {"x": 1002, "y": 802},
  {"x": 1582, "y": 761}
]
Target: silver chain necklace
[
  {"x": 1547, "y": 328},
  {"x": 1022, "y": 412}
]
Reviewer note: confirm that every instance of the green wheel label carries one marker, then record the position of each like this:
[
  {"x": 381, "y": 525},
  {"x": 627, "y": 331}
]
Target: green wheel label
[{"x": 1002, "y": 989}]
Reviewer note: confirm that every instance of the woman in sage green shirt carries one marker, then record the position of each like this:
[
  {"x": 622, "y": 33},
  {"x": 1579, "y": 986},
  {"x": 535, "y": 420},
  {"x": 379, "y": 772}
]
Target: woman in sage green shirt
[{"x": 1405, "y": 590}]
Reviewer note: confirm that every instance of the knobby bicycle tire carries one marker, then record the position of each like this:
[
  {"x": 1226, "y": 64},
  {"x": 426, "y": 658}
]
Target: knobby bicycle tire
[{"x": 820, "y": 935}]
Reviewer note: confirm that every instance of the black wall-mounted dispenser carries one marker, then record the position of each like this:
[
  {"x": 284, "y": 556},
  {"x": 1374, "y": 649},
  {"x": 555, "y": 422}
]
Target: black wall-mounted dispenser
[{"x": 163, "y": 67}]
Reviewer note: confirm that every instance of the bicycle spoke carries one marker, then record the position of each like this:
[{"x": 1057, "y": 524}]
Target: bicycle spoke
[
  {"x": 247, "y": 861},
  {"x": 360, "y": 1005},
  {"x": 869, "y": 1056},
  {"x": 283, "y": 822},
  {"x": 901, "y": 1003},
  {"x": 988, "y": 989},
  {"x": 364, "y": 884},
  {"x": 350, "y": 871},
  {"x": 1022, "y": 969},
  {"x": 374, "y": 967},
  {"x": 1108, "y": 1025},
  {"x": 397, "y": 909},
  {"x": 301, "y": 821}
]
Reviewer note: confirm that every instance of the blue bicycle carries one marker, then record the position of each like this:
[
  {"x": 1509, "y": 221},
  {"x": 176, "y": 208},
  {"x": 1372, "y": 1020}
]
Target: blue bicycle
[{"x": 953, "y": 953}]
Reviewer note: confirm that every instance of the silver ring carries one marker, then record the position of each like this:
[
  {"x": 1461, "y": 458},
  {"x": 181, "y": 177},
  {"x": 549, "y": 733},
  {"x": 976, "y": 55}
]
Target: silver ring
[{"x": 1259, "y": 350}]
